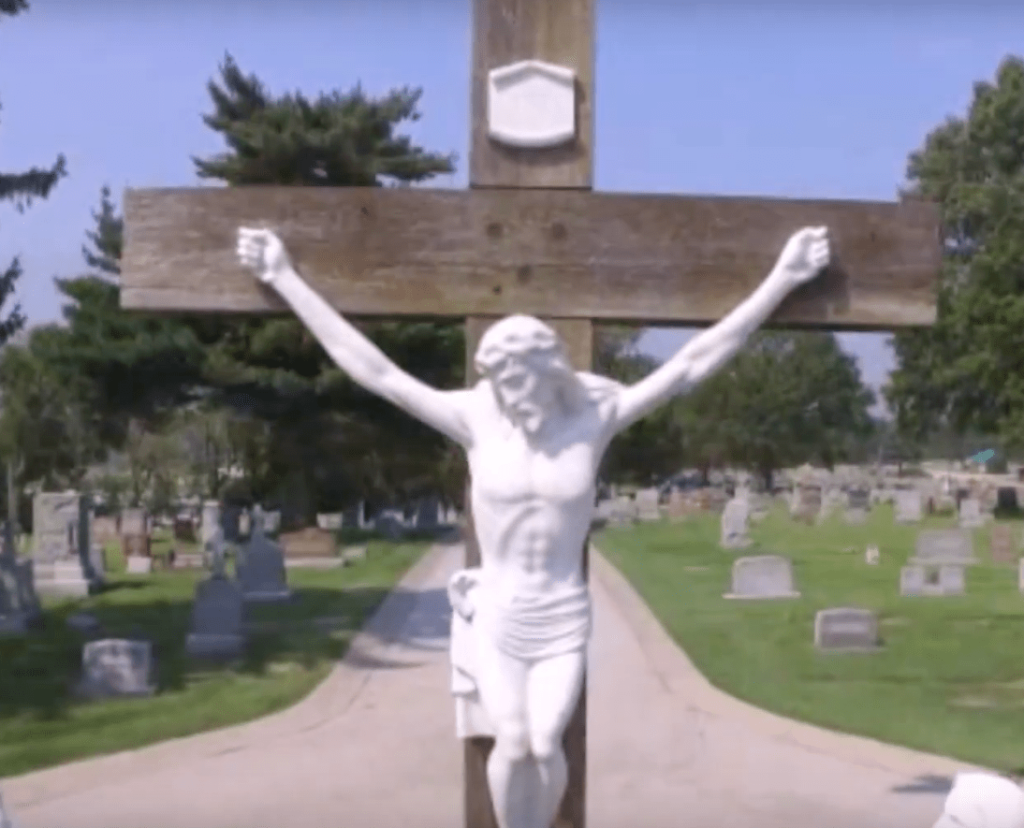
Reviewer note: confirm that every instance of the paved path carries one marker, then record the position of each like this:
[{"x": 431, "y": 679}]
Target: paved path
[{"x": 374, "y": 746}]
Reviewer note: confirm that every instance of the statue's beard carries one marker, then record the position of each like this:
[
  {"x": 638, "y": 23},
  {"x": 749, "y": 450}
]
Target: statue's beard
[{"x": 527, "y": 415}]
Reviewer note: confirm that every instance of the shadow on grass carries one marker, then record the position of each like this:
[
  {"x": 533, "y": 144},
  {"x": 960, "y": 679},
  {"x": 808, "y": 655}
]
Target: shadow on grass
[{"x": 41, "y": 669}]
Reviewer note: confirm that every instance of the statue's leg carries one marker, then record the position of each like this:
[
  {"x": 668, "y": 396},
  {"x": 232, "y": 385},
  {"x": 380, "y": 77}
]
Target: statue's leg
[
  {"x": 501, "y": 681},
  {"x": 552, "y": 690}
]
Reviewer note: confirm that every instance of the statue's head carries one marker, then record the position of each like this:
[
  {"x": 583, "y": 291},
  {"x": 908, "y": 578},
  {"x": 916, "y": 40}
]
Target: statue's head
[{"x": 526, "y": 364}]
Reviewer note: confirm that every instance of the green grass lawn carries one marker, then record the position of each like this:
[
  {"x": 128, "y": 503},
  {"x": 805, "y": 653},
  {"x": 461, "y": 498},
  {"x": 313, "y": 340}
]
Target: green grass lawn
[
  {"x": 42, "y": 724},
  {"x": 950, "y": 679}
]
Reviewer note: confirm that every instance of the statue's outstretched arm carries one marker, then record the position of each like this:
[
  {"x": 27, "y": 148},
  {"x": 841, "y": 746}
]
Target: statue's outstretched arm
[
  {"x": 262, "y": 252},
  {"x": 805, "y": 255}
]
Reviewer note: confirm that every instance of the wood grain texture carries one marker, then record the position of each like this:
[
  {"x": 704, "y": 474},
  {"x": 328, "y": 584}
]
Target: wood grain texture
[
  {"x": 578, "y": 336},
  {"x": 652, "y": 259},
  {"x": 555, "y": 31}
]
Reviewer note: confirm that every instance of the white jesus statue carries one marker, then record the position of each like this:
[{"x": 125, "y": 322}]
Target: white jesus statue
[{"x": 534, "y": 431}]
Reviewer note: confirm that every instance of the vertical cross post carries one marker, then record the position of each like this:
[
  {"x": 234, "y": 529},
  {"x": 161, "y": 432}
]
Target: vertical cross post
[{"x": 559, "y": 32}]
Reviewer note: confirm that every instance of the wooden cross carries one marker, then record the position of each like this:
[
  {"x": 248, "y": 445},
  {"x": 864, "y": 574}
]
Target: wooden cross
[{"x": 530, "y": 237}]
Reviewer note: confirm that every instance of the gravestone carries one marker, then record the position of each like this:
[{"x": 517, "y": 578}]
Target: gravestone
[
  {"x": 311, "y": 542},
  {"x": 390, "y": 524},
  {"x": 209, "y": 524},
  {"x": 139, "y": 565},
  {"x": 1020, "y": 575},
  {"x": 245, "y": 523},
  {"x": 230, "y": 523},
  {"x": 647, "y": 508},
  {"x": 104, "y": 530},
  {"x": 872, "y": 556},
  {"x": 622, "y": 510},
  {"x": 135, "y": 533},
  {"x": 846, "y": 629},
  {"x": 184, "y": 529},
  {"x": 858, "y": 502},
  {"x": 1001, "y": 544},
  {"x": 261, "y": 570},
  {"x": 61, "y": 564},
  {"x": 932, "y": 580},
  {"x": 271, "y": 522},
  {"x": 762, "y": 577},
  {"x": 971, "y": 516},
  {"x": 19, "y": 603},
  {"x": 807, "y": 503},
  {"x": 330, "y": 522},
  {"x": 428, "y": 514},
  {"x": 734, "y": 524},
  {"x": 760, "y": 506},
  {"x": 1007, "y": 502},
  {"x": 116, "y": 667},
  {"x": 215, "y": 628},
  {"x": 944, "y": 546},
  {"x": 908, "y": 506}
]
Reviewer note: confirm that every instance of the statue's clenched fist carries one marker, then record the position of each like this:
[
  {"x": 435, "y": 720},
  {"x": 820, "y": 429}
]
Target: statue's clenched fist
[
  {"x": 806, "y": 254},
  {"x": 262, "y": 252}
]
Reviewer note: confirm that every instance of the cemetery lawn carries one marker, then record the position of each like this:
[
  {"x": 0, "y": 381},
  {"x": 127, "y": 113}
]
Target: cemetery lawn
[
  {"x": 949, "y": 681},
  {"x": 42, "y": 724}
]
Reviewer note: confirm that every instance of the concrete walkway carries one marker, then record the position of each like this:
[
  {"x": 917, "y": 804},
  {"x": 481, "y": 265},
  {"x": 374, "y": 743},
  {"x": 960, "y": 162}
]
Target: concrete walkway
[{"x": 374, "y": 746}]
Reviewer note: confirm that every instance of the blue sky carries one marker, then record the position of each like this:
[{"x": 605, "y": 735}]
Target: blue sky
[{"x": 793, "y": 99}]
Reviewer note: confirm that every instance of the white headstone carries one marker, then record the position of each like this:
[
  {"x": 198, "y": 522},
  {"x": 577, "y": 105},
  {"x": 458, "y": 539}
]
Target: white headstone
[
  {"x": 970, "y": 513},
  {"x": 932, "y": 580},
  {"x": 872, "y": 556},
  {"x": 908, "y": 506},
  {"x": 117, "y": 667},
  {"x": 329, "y": 522},
  {"x": 139, "y": 565},
  {"x": 982, "y": 800},
  {"x": 647, "y": 505},
  {"x": 940, "y": 546},
  {"x": 209, "y": 524},
  {"x": 762, "y": 577},
  {"x": 735, "y": 524}
]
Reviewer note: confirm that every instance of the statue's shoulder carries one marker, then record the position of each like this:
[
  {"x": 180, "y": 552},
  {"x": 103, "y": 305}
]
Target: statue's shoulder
[{"x": 598, "y": 389}]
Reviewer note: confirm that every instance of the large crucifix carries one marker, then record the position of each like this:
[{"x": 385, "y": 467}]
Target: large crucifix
[{"x": 529, "y": 237}]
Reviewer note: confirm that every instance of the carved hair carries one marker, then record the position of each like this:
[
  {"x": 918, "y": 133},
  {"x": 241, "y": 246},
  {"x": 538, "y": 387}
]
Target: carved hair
[{"x": 526, "y": 336}]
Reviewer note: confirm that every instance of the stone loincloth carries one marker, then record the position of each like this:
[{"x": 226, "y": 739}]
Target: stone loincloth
[{"x": 531, "y": 628}]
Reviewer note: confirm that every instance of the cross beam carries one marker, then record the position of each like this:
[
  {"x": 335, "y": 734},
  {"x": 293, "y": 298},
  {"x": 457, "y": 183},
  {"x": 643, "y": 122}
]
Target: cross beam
[
  {"x": 647, "y": 259},
  {"x": 529, "y": 237}
]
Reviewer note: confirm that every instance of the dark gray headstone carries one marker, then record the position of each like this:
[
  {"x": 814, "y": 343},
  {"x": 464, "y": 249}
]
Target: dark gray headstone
[
  {"x": 217, "y": 616},
  {"x": 261, "y": 569},
  {"x": 845, "y": 629}
]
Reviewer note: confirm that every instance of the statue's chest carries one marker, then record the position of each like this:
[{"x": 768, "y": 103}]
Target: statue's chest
[{"x": 511, "y": 469}]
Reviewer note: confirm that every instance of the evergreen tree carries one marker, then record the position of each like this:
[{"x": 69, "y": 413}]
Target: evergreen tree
[{"x": 21, "y": 189}]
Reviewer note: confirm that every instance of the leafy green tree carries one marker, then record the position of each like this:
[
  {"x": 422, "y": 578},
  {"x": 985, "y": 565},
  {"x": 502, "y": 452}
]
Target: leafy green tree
[
  {"x": 967, "y": 371},
  {"x": 45, "y": 427},
  {"x": 21, "y": 189},
  {"x": 787, "y": 398}
]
